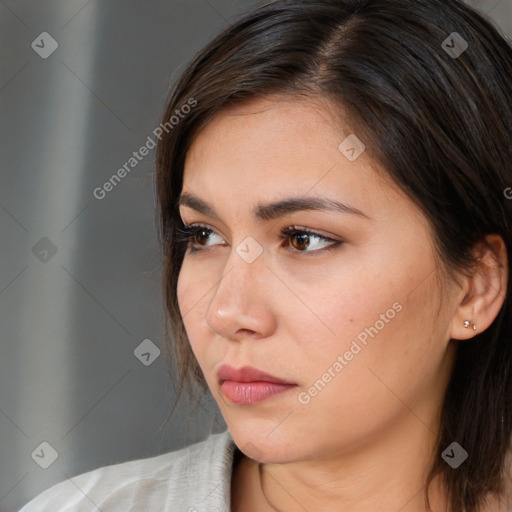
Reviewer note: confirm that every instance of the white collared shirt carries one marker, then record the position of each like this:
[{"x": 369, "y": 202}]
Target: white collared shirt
[{"x": 196, "y": 478}]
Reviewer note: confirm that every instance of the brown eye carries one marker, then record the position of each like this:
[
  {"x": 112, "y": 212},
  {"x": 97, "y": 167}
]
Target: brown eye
[
  {"x": 202, "y": 234},
  {"x": 302, "y": 241},
  {"x": 198, "y": 236},
  {"x": 194, "y": 237}
]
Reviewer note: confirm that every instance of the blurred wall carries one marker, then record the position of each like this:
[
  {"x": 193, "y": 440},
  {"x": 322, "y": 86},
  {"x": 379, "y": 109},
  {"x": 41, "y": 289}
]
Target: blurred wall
[{"x": 83, "y": 376}]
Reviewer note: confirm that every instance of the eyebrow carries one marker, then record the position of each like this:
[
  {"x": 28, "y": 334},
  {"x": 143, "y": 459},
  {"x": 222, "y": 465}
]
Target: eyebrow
[{"x": 270, "y": 211}]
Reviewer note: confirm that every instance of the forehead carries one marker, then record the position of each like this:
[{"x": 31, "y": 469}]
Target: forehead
[
  {"x": 274, "y": 124},
  {"x": 267, "y": 149}
]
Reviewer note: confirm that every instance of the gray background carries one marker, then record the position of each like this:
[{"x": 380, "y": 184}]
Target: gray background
[{"x": 71, "y": 321}]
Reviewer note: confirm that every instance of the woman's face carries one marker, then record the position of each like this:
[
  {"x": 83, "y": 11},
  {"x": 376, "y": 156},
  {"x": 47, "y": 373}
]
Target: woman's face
[{"x": 353, "y": 327}]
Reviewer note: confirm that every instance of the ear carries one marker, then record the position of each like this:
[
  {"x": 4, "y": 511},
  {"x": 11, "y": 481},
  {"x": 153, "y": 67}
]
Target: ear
[{"x": 482, "y": 294}]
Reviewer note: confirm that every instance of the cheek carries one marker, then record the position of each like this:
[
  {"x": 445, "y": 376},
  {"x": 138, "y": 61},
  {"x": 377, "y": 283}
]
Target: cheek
[
  {"x": 186, "y": 281},
  {"x": 378, "y": 328},
  {"x": 192, "y": 292},
  {"x": 181, "y": 290},
  {"x": 341, "y": 311},
  {"x": 189, "y": 302}
]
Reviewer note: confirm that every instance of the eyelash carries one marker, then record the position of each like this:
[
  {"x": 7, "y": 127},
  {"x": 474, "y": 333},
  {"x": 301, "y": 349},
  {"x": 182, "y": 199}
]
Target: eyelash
[{"x": 185, "y": 236}]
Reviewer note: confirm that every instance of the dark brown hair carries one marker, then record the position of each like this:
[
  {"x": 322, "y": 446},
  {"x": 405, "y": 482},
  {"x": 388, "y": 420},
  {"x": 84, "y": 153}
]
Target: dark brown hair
[{"x": 440, "y": 125}]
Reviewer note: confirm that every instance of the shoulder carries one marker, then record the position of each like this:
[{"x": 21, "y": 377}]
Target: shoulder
[{"x": 192, "y": 478}]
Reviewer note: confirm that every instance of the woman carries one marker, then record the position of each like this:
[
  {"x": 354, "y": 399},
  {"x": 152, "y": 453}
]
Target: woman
[{"x": 334, "y": 197}]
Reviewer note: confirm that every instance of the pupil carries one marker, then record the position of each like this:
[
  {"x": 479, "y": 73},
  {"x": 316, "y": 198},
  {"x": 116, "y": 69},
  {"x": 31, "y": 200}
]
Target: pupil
[
  {"x": 203, "y": 233},
  {"x": 303, "y": 239}
]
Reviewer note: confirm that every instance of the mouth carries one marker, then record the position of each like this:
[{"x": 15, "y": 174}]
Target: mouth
[{"x": 248, "y": 385}]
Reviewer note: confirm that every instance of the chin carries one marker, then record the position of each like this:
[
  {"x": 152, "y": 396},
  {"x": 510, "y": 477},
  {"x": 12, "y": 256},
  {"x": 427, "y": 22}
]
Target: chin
[{"x": 277, "y": 448}]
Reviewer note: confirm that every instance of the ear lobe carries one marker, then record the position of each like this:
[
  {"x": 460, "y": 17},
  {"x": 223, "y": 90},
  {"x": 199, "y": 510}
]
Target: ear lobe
[{"x": 483, "y": 294}]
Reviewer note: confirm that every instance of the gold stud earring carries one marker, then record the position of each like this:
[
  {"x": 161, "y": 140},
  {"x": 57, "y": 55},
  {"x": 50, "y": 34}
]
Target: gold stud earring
[{"x": 467, "y": 323}]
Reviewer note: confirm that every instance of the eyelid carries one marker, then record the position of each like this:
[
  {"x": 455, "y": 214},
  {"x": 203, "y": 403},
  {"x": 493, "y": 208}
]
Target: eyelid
[{"x": 311, "y": 231}]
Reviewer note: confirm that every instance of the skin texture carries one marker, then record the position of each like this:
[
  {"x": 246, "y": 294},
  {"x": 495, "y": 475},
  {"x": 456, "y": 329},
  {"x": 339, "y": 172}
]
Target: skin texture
[{"x": 365, "y": 441}]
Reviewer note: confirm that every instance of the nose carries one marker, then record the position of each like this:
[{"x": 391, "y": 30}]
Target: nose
[{"x": 241, "y": 305}]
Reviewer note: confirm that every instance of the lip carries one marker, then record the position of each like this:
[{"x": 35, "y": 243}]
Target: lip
[
  {"x": 246, "y": 393},
  {"x": 247, "y": 374},
  {"x": 248, "y": 385}
]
